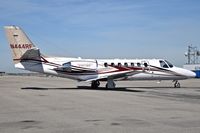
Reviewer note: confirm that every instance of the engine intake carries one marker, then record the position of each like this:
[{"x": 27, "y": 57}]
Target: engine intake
[{"x": 80, "y": 66}]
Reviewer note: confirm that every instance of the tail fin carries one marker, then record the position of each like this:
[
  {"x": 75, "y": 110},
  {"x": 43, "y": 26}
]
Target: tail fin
[{"x": 20, "y": 44}]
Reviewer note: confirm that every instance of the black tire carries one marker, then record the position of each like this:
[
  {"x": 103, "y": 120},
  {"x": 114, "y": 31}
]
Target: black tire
[
  {"x": 114, "y": 85},
  {"x": 177, "y": 85},
  {"x": 95, "y": 84}
]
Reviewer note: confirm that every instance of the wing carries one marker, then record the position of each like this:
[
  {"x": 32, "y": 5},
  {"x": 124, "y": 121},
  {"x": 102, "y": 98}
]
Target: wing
[
  {"x": 117, "y": 73},
  {"x": 92, "y": 72}
]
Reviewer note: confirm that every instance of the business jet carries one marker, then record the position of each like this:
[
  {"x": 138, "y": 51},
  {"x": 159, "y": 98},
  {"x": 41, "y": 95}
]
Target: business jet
[{"x": 27, "y": 56}]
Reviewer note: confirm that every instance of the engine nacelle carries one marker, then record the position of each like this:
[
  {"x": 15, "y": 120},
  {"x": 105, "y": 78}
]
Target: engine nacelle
[{"x": 80, "y": 65}]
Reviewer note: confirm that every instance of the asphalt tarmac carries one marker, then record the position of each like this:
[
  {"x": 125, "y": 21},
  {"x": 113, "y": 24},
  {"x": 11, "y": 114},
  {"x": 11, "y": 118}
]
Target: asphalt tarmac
[{"x": 57, "y": 105}]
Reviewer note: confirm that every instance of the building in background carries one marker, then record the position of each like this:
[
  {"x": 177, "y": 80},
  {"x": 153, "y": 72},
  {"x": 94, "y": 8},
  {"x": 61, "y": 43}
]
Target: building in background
[
  {"x": 193, "y": 62},
  {"x": 2, "y": 73}
]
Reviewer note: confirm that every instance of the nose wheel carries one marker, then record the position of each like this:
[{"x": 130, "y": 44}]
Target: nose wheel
[{"x": 176, "y": 84}]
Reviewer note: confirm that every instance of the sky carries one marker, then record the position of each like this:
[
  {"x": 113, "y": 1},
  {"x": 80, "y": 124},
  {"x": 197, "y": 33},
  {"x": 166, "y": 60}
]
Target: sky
[{"x": 104, "y": 28}]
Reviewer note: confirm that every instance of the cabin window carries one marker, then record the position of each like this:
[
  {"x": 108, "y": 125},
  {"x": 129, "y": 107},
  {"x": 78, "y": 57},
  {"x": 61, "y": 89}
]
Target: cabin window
[
  {"x": 112, "y": 64},
  {"x": 106, "y": 64},
  {"x": 132, "y": 64},
  {"x": 138, "y": 64},
  {"x": 126, "y": 64},
  {"x": 119, "y": 64},
  {"x": 145, "y": 64},
  {"x": 163, "y": 64}
]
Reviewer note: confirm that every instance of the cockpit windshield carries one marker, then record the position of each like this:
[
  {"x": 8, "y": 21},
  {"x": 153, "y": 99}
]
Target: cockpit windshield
[
  {"x": 165, "y": 64},
  {"x": 169, "y": 64}
]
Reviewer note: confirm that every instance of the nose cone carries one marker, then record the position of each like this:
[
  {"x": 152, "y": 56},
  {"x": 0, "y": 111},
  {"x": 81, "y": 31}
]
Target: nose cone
[
  {"x": 188, "y": 73},
  {"x": 191, "y": 74},
  {"x": 185, "y": 73}
]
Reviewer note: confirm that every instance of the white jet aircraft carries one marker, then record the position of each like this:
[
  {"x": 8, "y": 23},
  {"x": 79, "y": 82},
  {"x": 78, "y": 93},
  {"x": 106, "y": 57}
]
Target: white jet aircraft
[{"x": 27, "y": 56}]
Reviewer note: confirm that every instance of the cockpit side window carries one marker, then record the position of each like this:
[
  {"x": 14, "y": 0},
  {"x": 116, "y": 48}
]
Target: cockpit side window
[
  {"x": 169, "y": 64},
  {"x": 163, "y": 64}
]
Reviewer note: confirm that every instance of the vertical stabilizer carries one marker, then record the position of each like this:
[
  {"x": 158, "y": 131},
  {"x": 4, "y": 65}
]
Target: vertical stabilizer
[{"x": 20, "y": 44}]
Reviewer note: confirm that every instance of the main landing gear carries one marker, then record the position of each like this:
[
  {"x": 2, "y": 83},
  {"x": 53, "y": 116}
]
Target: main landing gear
[
  {"x": 110, "y": 84},
  {"x": 95, "y": 84},
  {"x": 176, "y": 84}
]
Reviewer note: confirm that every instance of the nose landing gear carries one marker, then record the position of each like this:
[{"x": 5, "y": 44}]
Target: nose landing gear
[{"x": 176, "y": 84}]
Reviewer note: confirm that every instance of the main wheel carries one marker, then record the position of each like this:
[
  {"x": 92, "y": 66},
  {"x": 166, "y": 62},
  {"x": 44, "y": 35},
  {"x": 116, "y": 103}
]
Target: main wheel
[
  {"x": 95, "y": 84},
  {"x": 111, "y": 86}
]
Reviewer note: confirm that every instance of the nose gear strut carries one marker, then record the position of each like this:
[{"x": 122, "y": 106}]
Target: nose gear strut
[{"x": 176, "y": 84}]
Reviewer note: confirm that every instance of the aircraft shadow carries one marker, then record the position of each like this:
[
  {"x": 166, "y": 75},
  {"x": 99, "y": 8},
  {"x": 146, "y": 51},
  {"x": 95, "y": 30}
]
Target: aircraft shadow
[{"x": 123, "y": 89}]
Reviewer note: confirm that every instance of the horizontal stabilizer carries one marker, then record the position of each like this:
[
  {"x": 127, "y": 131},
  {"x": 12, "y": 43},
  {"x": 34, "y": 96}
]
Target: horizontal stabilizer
[{"x": 33, "y": 53}]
